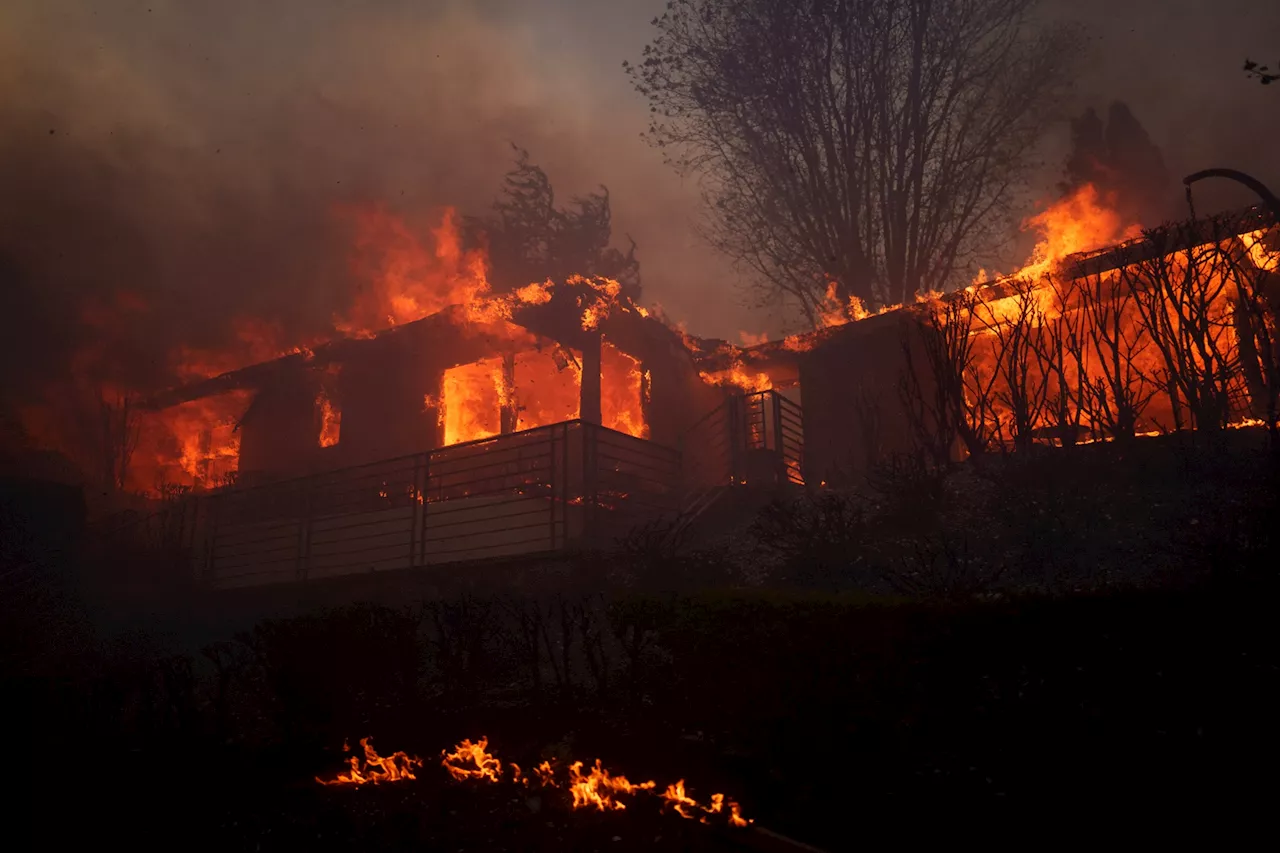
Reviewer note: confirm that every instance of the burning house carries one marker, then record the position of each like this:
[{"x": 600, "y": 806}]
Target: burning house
[
  {"x": 529, "y": 422},
  {"x": 560, "y": 415}
]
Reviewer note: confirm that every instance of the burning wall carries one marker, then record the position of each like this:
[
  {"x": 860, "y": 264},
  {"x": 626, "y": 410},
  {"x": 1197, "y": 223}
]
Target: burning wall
[
  {"x": 1175, "y": 331},
  {"x": 465, "y": 373},
  {"x": 536, "y": 388},
  {"x": 427, "y": 329}
]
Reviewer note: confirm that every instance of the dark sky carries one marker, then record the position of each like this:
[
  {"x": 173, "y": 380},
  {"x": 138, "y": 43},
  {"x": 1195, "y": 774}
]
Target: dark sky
[{"x": 191, "y": 150}]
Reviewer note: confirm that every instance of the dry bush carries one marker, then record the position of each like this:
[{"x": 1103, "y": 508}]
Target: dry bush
[
  {"x": 1119, "y": 391},
  {"x": 1180, "y": 294},
  {"x": 1015, "y": 325},
  {"x": 948, "y": 397}
]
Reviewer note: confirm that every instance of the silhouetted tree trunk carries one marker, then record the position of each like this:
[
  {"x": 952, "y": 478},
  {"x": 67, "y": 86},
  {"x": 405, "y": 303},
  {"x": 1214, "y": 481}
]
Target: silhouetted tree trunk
[{"x": 110, "y": 435}]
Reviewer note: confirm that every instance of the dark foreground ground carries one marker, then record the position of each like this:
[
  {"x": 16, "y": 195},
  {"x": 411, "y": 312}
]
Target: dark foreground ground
[
  {"x": 818, "y": 715},
  {"x": 1128, "y": 678}
]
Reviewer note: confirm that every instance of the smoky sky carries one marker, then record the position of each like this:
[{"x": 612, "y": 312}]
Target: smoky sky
[{"x": 192, "y": 152}]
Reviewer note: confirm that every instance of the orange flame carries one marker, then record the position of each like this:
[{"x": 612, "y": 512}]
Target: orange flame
[
  {"x": 736, "y": 375},
  {"x": 406, "y": 275},
  {"x": 597, "y": 788},
  {"x": 622, "y": 386},
  {"x": 472, "y": 761},
  {"x": 1080, "y": 222},
  {"x": 599, "y": 297},
  {"x": 394, "y": 768},
  {"x": 833, "y": 312},
  {"x": 330, "y": 419},
  {"x": 687, "y": 807}
]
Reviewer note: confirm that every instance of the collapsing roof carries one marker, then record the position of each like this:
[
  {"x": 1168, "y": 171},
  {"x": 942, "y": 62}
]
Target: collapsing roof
[
  {"x": 779, "y": 360},
  {"x": 462, "y": 335}
]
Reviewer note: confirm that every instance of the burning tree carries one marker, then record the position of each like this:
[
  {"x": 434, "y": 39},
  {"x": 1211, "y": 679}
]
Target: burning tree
[
  {"x": 1181, "y": 295},
  {"x": 869, "y": 143},
  {"x": 1118, "y": 391},
  {"x": 529, "y": 238}
]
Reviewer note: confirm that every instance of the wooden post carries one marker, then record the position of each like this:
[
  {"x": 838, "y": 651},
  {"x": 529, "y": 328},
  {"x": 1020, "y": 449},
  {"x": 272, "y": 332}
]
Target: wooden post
[
  {"x": 589, "y": 403},
  {"x": 646, "y": 398},
  {"x": 509, "y": 414},
  {"x": 433, "y": 412}
]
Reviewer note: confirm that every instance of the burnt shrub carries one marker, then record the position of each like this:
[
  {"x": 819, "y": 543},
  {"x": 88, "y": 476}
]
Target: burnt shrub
[
  {"x": 662, "y": 555},
  {"x": 325, "y": 675},
  {"x": 817, "y": 541}
]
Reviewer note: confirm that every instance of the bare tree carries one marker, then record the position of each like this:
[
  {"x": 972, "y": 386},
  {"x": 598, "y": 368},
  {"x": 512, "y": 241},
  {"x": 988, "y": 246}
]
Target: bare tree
[
  {"x": 1016, "y": 326},
  {"x": 1255, "y": 314},
  {"x": 1180, "y": 294},
  {"x": 109, "y": 429},
  {"x": 1119, "y": 391},
  {"x": 948, "y": 396},
  {"x": 1064, "y": 358},
  {"x": 869, "y": 143}
]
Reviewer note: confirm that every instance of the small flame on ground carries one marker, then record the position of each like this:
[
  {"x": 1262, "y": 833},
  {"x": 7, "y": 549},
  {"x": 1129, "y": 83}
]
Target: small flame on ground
[
  {"x": 394, "y": 768},
  {"x": 472, "y": 761},
  {"x": 595, "y": 788}
]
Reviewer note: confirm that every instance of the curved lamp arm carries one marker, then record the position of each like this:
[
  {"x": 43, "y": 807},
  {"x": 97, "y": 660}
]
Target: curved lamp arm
[{"x": 1268, "y": 197}]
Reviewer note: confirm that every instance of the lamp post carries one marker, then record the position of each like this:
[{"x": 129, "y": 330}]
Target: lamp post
[{"x": 1268, "y": 197}]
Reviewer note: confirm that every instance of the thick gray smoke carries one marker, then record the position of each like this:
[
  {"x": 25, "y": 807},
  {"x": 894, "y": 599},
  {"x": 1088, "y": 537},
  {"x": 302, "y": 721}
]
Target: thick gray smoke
[{"x": 191, "y": 152}]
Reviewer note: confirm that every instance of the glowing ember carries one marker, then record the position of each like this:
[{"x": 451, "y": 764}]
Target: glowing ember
[{"x": 394, "y": 768}]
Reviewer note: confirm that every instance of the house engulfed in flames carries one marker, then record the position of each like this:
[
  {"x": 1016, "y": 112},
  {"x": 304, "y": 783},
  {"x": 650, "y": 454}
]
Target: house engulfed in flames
[{"x": 561, "y": 415}]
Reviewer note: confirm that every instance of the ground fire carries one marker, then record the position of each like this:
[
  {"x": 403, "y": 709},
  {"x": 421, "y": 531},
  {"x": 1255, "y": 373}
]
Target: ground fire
[
  {"x": 593, "y": 788},
  {"x": 394, "y": 768}
]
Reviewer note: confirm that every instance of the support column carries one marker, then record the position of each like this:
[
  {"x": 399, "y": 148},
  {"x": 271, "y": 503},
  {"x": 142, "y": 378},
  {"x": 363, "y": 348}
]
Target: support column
[
  {"x": 589, "y": 402},
  {"x": 509, "y": 413},
  {"x": 646, "y": 398},
  {"x": 433, "y": 411},
  {"x": 204, "y": 468}
]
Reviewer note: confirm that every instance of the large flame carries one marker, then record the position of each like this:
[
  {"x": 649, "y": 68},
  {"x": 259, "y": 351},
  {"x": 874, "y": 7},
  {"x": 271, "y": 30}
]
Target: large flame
[
  {"x": 406, "y": 274},
  {"x": 622, "y": 392},
  {"x": 1082, "y": 221},
  {"x": 405, "y": 279}
]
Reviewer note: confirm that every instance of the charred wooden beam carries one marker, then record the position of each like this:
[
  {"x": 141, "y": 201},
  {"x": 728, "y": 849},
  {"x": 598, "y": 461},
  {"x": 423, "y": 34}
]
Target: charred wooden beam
[
  {"x": 589, "y": 402},
  {"x": 508, "y": 415}
]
